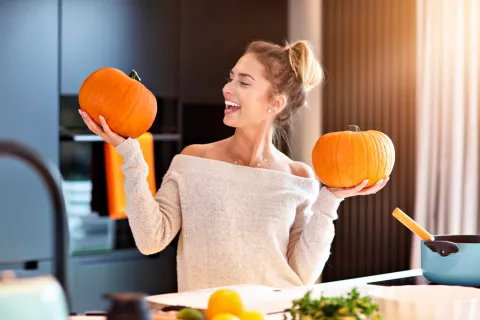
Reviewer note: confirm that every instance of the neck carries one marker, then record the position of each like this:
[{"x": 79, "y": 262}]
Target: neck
[{"x": 250, "y": 146}]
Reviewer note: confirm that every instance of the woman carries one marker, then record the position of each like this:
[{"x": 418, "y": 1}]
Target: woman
[{"x": 247, "y": 213}]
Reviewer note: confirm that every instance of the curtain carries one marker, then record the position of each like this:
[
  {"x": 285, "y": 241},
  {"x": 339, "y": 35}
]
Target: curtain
[{"x": 448, "y": 50}]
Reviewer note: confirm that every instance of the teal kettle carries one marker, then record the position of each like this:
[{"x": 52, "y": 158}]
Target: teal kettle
[{"x": 40, "y": 298}]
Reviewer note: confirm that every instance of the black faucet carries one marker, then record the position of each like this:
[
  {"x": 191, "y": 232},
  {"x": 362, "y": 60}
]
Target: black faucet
[{"x": 49, "y": 172}]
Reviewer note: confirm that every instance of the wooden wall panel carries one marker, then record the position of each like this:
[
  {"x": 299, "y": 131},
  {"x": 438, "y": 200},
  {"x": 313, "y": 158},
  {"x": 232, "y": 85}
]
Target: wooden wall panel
[{"x": 369, "y": 58}]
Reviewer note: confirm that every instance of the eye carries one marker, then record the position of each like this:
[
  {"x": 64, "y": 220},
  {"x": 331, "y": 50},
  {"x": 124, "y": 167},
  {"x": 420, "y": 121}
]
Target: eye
[{"x": 244, "y": 84}]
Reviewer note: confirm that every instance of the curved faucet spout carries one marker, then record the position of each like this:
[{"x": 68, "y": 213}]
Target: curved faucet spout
[{"x": 48, "y": 172}]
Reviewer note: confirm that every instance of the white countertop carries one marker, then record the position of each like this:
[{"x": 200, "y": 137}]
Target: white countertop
[{"x": 271, "y": 301}]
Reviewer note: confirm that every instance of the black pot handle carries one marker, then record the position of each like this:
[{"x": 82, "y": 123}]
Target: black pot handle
[{"x": 443, "y": 248}]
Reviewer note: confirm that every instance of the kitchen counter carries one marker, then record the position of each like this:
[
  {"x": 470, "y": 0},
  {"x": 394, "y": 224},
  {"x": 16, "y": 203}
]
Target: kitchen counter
[{"x": 272, "y": 301}]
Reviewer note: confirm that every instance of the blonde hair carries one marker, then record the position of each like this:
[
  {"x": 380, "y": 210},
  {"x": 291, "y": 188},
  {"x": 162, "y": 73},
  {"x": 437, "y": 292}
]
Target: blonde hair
[
  {"x": 292, "y": 70},
  {"x": 304, "y": 64}
]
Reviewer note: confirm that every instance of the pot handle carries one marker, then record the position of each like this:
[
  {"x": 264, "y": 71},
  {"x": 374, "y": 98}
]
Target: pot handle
[{"x": 443, "y": 248}]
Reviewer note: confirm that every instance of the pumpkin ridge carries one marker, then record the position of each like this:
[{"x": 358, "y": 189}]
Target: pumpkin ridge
[
  {"x": 317, "y": 162},
  {"x": 337, "y": 166},
  {"x": 135, "y": 105},
  {"x": 106, "y": 98},
  {"x": 326, "y": 158},
  {"x": 373, "y": 139},
  {"x": 365, "y": 152},
  {"x": 328, "y": 163},
  {"x": 392, "y": 152},
  {"x": 122, "y": 98},
  {"x": 119, "y": 124},
  {"x": 94, "y": 77},
  {"x": 352, "y": 160},
  {"x": 381, "y": 148},
  {"x": 385, "y": 146}
]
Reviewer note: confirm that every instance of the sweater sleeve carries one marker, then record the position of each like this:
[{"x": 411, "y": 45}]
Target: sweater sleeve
[
  {"x": 311, "y": 236},
  {"x": 154, "y": 221}
]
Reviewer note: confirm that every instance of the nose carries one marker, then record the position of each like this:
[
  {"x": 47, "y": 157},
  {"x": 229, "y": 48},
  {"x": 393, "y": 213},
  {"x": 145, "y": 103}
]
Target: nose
[{"x": 227, "y": 88}]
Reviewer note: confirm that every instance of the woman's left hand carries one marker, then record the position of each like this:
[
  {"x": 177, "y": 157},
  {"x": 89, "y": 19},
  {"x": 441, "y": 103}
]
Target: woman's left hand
[{"x": 359, "y": 190}]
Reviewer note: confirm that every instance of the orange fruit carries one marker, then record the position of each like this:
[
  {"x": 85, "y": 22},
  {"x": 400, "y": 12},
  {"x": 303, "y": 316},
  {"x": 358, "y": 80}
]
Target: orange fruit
[
  {"x": 224, "y": 301},
  {"x": 251, "y": 315},
  {"x": 225, "y": 316}
]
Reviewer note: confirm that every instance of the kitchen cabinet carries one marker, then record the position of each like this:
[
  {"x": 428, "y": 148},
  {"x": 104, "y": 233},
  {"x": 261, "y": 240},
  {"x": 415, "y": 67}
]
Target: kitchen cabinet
[
  {"x": 92, "y": 276},
  {"x": 125, "y": 34},
  {"x": 214, "y": 34},
  {"x": 29, "y": 110}
]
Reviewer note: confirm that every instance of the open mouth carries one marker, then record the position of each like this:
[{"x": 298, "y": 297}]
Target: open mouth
[{"x": 232, "y": 106}]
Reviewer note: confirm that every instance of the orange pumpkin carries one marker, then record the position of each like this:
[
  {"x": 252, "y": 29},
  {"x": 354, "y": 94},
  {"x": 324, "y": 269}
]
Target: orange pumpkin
[
  {"x": 344, "y": 159},
  {"x": 128, "y": 107}
]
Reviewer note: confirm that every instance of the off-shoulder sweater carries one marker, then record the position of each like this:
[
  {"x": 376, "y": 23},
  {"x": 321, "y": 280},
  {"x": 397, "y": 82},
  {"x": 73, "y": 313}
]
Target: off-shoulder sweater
[{"x": 237, "y": 224}]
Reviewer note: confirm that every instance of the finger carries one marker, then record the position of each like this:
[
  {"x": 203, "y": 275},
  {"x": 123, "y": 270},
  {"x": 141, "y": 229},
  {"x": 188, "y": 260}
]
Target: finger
[
  {"x": 378, "y": 186},
  {"x": 360, "y": 186},
  {"x": 373, "y": 189},
  {"x": 105, "y": 126},
  {"x": 383, "y": 184},
  {"x": 95, "y": 128}
]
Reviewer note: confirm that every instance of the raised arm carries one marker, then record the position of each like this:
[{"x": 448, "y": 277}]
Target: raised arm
[
  {"x": 311, "y": 236},
  {"x": 154, "y": 221}
]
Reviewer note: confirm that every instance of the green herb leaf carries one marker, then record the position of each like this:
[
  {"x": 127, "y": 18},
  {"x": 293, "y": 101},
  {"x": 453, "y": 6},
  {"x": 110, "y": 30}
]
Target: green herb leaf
[{"x": 351, "y": 307}]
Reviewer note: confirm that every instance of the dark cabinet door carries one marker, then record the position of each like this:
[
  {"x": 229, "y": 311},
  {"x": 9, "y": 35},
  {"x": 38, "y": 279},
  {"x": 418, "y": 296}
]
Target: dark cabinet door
[
  {"x": 93, "y": 276},
  {"x": 124, "y": 34},
  {"x": 214, "y": 34},
  {"x": 29, "y": 114}
]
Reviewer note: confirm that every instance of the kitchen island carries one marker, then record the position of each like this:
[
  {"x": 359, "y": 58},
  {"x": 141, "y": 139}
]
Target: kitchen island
[{"x": 272, "y": 301}]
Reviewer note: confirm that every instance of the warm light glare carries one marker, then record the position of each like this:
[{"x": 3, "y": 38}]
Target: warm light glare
[
  {"x": 447, "y": 128},
  {"x": 447, "y": 96}
]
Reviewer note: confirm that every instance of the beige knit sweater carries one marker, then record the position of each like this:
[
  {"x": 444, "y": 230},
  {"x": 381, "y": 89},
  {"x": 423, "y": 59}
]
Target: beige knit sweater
[{"x": 238, "y": 224}]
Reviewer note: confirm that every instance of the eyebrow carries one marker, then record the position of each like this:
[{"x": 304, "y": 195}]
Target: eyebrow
[{"x": 243, "y": 75}]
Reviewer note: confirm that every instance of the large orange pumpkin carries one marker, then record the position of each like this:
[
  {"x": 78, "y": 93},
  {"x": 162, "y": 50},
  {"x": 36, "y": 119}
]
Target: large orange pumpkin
[
  {"x": 344, "y": 159},
  {"x": 128, "y": 107}
]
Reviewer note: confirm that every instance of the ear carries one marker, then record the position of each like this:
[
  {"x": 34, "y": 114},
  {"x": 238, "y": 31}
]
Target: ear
[{"x": 279, "y": 102}]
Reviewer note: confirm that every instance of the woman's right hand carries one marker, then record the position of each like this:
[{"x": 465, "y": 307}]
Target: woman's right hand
[{"x": 103, "y": 131}]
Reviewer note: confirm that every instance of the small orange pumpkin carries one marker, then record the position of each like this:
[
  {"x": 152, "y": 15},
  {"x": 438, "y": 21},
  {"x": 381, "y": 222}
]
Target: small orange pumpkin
[
  {"x": 344, "y": 159},
  {"x": 128, "y": 107}
]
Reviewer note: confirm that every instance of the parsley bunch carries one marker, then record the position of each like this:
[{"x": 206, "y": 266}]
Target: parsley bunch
[{"x": 351, "y": 307}]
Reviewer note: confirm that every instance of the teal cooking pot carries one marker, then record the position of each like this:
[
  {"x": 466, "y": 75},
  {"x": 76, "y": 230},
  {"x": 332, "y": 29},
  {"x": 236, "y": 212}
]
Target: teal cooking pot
[{"x": 452, "y": 260}]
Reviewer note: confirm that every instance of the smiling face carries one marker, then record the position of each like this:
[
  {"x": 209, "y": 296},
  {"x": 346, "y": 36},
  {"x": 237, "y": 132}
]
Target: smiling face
[{"x": 247, "y": 94}]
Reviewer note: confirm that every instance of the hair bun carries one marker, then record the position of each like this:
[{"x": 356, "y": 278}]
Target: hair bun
[{"x": 304, "y": 64}]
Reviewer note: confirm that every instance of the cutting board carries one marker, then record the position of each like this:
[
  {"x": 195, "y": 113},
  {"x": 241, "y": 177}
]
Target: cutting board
[{"x": 268, "y": 300}]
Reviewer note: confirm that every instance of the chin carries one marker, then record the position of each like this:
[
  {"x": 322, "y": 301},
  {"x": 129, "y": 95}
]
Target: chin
[{"x": 230, "y": 122}]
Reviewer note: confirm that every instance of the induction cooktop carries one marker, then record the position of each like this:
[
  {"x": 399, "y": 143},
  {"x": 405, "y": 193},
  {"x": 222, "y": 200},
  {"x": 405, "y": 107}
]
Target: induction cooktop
[{"x": 407, "y": 281}]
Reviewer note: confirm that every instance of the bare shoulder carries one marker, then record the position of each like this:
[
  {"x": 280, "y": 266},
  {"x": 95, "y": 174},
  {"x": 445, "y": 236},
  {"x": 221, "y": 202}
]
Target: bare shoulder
[
  {"x": 196, "y": 150},
  {"x": 209, "y": 150},
  {"x": 301, "y": 169}
]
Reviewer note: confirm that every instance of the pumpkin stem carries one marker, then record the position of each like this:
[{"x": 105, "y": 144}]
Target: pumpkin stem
[
  {"x": 354, "y": 128},
  {"x": 134, "y": 75}
]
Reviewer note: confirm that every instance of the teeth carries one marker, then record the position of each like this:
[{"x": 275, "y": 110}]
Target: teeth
[{"x": 231, "y": 103}]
